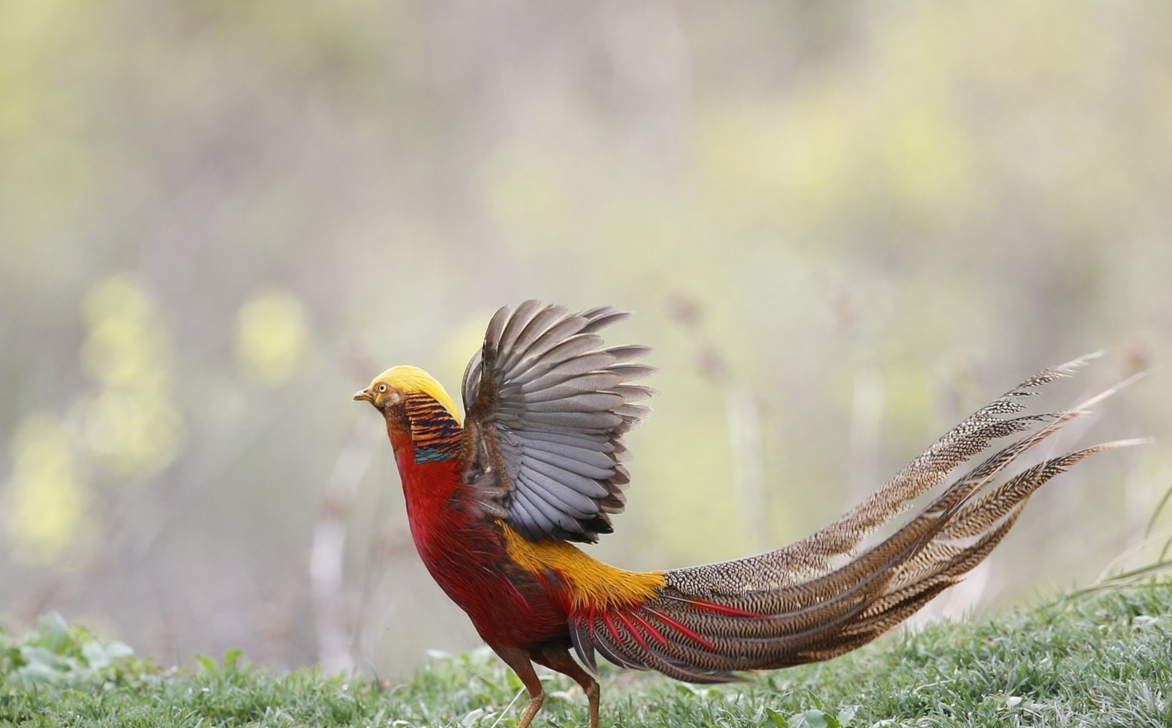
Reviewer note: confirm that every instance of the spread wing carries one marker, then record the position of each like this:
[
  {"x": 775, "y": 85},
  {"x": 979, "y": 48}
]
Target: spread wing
[{"x": 547, "y": 404}]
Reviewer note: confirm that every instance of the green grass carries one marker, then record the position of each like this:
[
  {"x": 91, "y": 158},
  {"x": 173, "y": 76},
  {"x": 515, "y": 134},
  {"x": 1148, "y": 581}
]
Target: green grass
[{"x": 1099, "y": 659}]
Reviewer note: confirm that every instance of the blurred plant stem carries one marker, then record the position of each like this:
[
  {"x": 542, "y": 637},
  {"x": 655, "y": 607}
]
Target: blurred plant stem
[
  {"x": 1112, "y": 576},
  {"x": 327, "y": 553}
]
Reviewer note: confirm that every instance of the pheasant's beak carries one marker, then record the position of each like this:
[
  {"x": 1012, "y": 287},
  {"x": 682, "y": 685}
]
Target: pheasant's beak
[{"x": 364, "y": 394}]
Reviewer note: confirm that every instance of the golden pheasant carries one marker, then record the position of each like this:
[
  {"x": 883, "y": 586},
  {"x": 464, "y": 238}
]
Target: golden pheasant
[{"x": 494, "y": 504}]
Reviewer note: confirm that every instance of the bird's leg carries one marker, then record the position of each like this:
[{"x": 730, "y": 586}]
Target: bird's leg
[
  {"x": 557, "y": 657},
  {"x": 519, "y": 660}
]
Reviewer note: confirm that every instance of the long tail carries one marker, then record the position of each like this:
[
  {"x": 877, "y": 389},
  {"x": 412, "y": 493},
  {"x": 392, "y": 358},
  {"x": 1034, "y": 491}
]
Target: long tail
[{"x": 793, "y": 605}]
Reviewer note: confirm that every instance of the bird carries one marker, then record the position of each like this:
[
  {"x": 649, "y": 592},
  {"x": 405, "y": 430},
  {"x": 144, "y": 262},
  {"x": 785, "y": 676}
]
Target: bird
[{"x": 497, "y": 501}]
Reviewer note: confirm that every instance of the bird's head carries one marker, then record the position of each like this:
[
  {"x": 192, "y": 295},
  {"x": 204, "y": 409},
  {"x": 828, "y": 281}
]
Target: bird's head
[{"x": 391, "y": 388}]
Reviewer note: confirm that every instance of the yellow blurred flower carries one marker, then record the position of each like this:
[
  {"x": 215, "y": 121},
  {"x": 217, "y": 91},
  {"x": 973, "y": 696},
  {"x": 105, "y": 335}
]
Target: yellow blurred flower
[
  {"x": 131, "y": 423},
  {"x": 272, "y": 336},
  {"x": 135, "y": 434},
  {"x": 126, "y": 343},
  {"x": 47, "y": 497}
]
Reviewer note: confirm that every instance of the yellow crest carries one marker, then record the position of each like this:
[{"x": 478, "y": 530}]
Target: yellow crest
[{"x": 413, "y": 379}]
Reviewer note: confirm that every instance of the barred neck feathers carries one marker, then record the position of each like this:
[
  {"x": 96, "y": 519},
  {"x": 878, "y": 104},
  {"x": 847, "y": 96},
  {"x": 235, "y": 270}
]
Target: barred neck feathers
[
  {"x": 435, "y": 432},
  {"x": 430, "y": 412}
]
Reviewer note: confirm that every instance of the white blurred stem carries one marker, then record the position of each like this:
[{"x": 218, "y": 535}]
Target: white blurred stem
[
  {"x": 744, "y": 434},
  {"x": 327, "y": 552},
  {"x": 866, "y": 422}
]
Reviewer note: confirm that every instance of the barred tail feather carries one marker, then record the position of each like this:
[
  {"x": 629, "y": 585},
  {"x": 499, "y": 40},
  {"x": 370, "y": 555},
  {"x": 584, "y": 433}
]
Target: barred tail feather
[{"x": 791, "y": 606}]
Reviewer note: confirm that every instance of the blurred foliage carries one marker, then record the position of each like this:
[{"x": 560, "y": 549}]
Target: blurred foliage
[
  {"x": 59, "y": 655},
  {"x": 842, "y": 225}
]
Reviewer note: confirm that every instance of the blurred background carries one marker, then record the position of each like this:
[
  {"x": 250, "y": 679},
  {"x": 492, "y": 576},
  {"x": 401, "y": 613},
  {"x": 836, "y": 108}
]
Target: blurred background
[{"x": 843, "y": 226}]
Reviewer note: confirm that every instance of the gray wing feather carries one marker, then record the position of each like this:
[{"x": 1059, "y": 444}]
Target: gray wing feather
[
  {"x": 533, "y": 518},
  {"x": 579, "y": 403},
  {"x": 582, "y": 441},
  {"x": 551, "y": 510},
  {"x": 596, "y": 459},
  {"x": 572, "y": 465},
  {"x": 571, "y": 490},
  {"x": 566, "y": 479},
  {"x": 511, "y": 327},
  {"x": 579, "y": 385},
  {"x": 572, "y": 502},
  {"x": 547, "y": 407}
]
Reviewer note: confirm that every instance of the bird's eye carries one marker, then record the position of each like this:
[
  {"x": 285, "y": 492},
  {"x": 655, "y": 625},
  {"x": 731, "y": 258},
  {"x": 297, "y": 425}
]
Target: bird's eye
[{"x": 382, "y": 388}]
